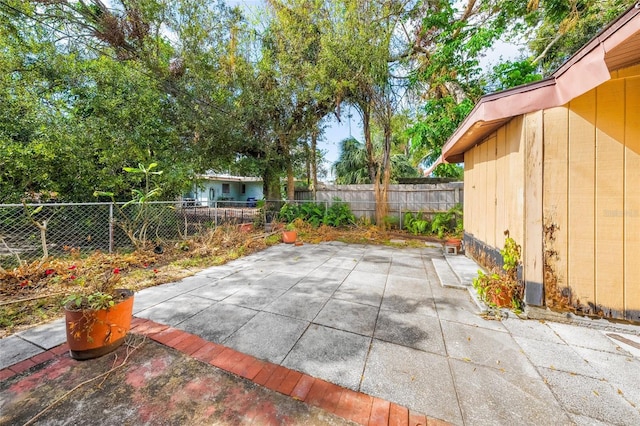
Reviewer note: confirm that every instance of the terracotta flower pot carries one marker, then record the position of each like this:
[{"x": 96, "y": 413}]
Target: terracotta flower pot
[
  {"x": 501, "y": 299},
  {"x": 246, "y": 227},
  {"x": 93, "y": 333},
  {"x": 289, "y": 237}
]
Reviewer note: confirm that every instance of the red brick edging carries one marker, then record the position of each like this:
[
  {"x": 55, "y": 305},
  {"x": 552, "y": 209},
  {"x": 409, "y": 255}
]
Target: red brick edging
[{"x": 355, "y": 406}]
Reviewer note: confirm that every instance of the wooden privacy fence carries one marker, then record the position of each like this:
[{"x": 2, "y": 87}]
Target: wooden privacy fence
[{"x": 427, "y": 198}]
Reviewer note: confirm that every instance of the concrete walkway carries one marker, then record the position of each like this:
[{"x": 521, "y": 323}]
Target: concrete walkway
[{"x": 397, "y": 324}]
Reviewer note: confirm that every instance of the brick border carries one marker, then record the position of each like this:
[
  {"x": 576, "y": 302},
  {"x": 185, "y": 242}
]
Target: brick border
[{"x": 355, "y": 406}]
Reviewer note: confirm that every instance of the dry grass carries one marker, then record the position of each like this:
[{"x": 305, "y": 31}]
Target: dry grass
[{"x": 33, "y": 293}]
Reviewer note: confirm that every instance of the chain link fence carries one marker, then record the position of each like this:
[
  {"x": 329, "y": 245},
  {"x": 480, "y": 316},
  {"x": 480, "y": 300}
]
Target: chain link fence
[{"x": 26, "y": 231}]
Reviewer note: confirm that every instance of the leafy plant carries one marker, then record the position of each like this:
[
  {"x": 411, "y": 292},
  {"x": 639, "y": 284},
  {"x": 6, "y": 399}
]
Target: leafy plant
[
  {"x": 136, "y": 226},
  {"x": 497, "y": 289},
  {"x": 449, "y": 222},
  {"x": 415, "y": 223},
  {"x": 338, "y": 214}
]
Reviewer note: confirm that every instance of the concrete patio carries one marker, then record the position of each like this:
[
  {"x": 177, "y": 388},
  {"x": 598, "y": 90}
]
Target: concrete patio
[{"x": 378, "y": 320}]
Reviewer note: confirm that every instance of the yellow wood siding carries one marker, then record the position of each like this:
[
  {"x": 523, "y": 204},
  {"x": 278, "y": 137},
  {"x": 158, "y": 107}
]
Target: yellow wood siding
[
  {"x": 577, "y": 168},
  {"x": 609, "y": 254},
  {"x": 632, "y": 198},
  {"x": 581, "y": 224},
  {"x": 490, "y": 210},
  {"x": 555, "y": 211}
]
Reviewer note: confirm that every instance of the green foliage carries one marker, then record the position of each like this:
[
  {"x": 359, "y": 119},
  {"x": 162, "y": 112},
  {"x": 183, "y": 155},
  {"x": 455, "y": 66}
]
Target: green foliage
[
  {"x": 439, "y": 119},
  {"x": 449, "y": 222},
  {"x": 337, "y": 215},
  {"x": 137, "y": 223},
  {"x": 494, "y": 287},
  {"x": 513, "y": 73},
  {"x": 94, "y": 301},
  {"x": 416, "y": 224}
]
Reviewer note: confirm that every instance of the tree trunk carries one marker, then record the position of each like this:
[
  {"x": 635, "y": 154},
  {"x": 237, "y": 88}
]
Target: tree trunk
[
  {"x": 271, "y": 184},
  {"x": 314, "y": 162},
  {"x": 368, "y": 143},
  {"x": 290, "y": 182},
  {"x": 381, "y": 186}
]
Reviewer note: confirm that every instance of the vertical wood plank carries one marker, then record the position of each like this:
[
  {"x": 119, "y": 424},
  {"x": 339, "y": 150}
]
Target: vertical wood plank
[
  {"x": 555, "y": 203},
  {"x": 490, "y": 218},
  {"x": 532, "y": 247},
  {"x": 502, "y": 176},
  {"x": 467, "y": 209},
  {"x": 515, "y": 183},
  {"x": 481, "y": 187},
  {"x": 632, "y": 199},
  {"x": 581, "y": 226},
  {"x": 609, "y": 197}
]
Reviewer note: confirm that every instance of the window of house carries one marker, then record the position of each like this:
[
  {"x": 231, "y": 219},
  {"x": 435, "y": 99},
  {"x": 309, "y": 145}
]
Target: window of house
[
  {"x": 225, "y": 188},
  {"x": 244, "y": 188},
  {"x": 212, "y": 193}
]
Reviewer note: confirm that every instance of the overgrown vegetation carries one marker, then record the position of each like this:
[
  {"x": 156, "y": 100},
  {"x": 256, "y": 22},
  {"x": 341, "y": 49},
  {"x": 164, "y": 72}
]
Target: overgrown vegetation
[
  {"x": 443, "y": 224},
  {"x": 336, "y": 215},
  {"x": 500, "y": 289}
]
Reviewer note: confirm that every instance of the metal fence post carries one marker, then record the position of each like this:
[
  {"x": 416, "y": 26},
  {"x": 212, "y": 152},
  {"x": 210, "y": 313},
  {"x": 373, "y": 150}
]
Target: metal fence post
[
  {"x": 110, "y": 228},
  {"x": 215, "y": 214}
]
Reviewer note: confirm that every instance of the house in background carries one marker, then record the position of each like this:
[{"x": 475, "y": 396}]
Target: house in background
[
  {"x": 557, "y": 164},
  {"x": 211, "y": 188}
]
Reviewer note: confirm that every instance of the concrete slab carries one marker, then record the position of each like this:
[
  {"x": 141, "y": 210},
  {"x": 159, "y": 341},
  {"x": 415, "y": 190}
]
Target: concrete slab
[
  {"x": 531, "y": 329},
  {"x": 297, "y": 305},
  {"x": 401, "y": 270},
  {"x": 446, "y": 276},
  {"x": 371, "y": 278},
  {"x": 408, "y": 295},
  {"x": 413, "y": 329},
  {"x": 465, "y": 268},
  {"x": 217, "y": 322},
  {"x": 333, "y": 355},
  {"x": 279, "y": 281},
  {"x": 254, "y": 297},
  {"x": 152, "y": 296},
  {"x": 628, "y": 342},
  {"x": 14, "y": 349},
  {"x": 316, "y": 287},
  {"x": 457, "y": 306},
  {"x": 267, "y": 336},
  {"x": 620, "y": 370},
  {"x": 347, "y": 263},
  {"x": 419, "y": 380},
  {"x": 584, "y": 337},
  {"x": 586, "y": 421},
  {"x": 328, "y": 273},
  {"x": 174, "y": 311},
  {"x": 373, "y": 267},
  {"x": 486, "y": 347},
  {"x": 219, "y": 290},
  {"x": 348, "y": 316},
  {"x": 47, "y": 335},
  {"x": 590, "y": 397},
  {"x": 493, "y": 397},
  {"x": 368, "y": 293},
  {"x": 556, "y": 357}
]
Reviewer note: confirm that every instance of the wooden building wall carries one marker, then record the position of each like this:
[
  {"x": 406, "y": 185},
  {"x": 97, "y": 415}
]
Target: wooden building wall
[{"x": 566, "y": 183}]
